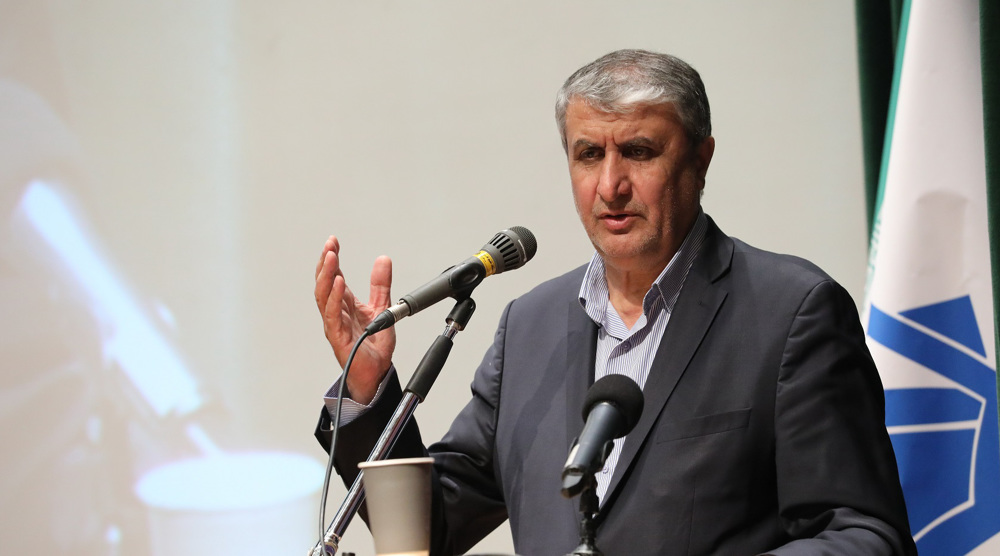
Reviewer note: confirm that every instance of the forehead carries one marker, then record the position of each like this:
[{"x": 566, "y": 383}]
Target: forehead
[{"x": 585, "y": 122}]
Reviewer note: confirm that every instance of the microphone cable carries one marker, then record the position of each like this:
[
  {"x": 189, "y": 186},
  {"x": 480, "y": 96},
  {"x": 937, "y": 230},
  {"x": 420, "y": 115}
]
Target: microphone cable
[{"x": 334, "y": 434}]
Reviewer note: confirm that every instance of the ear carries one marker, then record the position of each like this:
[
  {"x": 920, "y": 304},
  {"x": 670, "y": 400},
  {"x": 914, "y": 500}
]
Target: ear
[{"x": 703, "y": 157}]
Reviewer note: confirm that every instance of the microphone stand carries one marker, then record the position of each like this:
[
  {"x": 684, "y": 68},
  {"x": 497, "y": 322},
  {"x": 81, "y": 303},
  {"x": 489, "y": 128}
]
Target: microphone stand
[
  {"x": 589, "y": 508},
  {"x": 416, "y": 392}
]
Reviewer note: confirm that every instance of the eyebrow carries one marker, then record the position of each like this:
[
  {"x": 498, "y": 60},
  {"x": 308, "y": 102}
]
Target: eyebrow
[
  {"x": 584, "y": 143},
  {"x": 639, "y": 142},
  {"x": 634, "y": 142}
]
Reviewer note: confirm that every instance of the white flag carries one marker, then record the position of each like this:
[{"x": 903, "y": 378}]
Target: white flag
[{"x": 929, "y": 307}]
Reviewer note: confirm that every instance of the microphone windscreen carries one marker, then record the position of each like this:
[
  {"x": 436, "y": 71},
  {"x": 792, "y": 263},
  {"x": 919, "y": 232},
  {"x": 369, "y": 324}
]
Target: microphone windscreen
[
  {"x": 619, "y": 391},
  {"x": 516, "y": 245}
]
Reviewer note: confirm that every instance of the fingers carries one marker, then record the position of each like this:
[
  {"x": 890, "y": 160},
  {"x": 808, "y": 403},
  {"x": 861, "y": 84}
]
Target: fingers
[
  {"x": 332, "y": 244},
  {"x": 336, "y": 321},
  {"x": 379, "y": 296},
  {"x": 334, "y": 298},
  {"x": 327, "y": 271},
  {"x": 344, "y": 317}
]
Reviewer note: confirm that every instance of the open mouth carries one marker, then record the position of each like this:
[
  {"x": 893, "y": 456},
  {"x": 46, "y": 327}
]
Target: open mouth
[
  {"x": 619, "y": 222},
  {"x": 616, "y": 217}
]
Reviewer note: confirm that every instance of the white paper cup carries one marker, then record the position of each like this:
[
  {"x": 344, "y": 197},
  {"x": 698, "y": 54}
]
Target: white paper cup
[{"x": 398, "y": 494}]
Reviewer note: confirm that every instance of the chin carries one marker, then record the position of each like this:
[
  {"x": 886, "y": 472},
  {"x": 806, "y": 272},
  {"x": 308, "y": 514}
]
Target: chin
[
  {"x": 618, "y": 250},
  {"x": 626, "y": 246}
]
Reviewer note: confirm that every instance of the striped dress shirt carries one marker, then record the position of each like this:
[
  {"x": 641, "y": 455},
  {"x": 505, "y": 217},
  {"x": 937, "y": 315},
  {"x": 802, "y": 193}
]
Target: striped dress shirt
[{"x": 630, "y": 352}]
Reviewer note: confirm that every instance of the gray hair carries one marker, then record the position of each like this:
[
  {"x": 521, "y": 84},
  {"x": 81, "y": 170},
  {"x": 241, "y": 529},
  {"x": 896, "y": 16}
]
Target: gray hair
[{"x": 625, "y": 79}]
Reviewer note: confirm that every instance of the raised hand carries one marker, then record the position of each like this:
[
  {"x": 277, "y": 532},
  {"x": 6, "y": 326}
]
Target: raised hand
[{"x": 345, "y": 317}]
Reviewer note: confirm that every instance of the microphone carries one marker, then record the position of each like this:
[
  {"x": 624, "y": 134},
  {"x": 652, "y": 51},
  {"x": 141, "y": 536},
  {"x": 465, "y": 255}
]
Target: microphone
[
  {"x": 610, "y": 410},
  {"x": 509, "y": 249}
]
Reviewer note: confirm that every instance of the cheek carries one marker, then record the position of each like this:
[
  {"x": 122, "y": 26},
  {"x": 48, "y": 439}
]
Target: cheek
[
  {"x": 690, "y": 186},
  {"x": 583, "y": 192},
  {"x": 654, "y": 188}
]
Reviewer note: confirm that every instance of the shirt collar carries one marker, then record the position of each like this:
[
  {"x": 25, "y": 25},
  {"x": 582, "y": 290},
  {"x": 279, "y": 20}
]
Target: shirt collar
[{"x": 594, "y": 289}]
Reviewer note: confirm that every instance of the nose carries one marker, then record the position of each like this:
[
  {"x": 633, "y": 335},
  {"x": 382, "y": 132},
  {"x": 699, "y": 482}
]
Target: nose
[{"x": 614, "y": 180}]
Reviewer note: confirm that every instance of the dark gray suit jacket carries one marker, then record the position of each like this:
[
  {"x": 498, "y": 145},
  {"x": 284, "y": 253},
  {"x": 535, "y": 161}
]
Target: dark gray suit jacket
[{"x": 762, "y": 430}]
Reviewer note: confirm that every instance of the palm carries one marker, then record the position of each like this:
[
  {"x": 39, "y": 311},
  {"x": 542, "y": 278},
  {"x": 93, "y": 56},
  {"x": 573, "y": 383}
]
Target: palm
[{"x": 345, "y": 317}]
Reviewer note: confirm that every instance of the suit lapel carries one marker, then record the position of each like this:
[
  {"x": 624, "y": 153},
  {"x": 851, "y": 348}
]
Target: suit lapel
[
  {"x": 696, "y": 307},
  {"x": 581, "y": 345}
]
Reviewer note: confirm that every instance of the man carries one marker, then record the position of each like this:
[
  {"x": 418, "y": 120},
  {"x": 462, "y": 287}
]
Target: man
[{"x": 762, "y": 430}]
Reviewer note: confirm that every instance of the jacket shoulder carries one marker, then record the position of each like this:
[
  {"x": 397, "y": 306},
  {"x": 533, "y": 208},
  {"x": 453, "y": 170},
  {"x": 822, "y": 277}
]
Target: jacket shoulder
[{"x": 777, "y": 270}]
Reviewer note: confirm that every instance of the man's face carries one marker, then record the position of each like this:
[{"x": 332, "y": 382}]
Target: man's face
[{"x": 636, "y": 181}]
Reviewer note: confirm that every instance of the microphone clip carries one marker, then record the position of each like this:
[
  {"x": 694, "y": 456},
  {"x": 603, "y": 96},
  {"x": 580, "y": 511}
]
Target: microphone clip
[{"x": 576, "y": 477}]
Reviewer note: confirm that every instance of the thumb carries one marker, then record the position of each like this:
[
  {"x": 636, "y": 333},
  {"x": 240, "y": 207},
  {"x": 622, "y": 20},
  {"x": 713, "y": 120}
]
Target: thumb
[{"x": 379, "y": 297}]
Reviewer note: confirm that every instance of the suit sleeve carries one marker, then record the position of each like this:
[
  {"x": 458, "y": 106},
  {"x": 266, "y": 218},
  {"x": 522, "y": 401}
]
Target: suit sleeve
[
  {"x": 838, "y": 486},
  {"x": 467, "y": 499}
]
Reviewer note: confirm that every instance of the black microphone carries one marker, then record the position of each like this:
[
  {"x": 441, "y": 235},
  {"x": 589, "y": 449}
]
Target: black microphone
[
  {"x": 509, "y": 249},
  {"x": 612, "y": 407}
]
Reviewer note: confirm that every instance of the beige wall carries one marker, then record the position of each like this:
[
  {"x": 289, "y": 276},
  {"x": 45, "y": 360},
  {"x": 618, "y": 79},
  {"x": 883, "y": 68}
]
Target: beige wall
[{"x": 210, "y": 147}]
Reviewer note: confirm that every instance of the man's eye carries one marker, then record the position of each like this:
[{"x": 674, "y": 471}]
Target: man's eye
[
  {"x": 589, "y": 154},
  {"x": 639, "y": 153}
]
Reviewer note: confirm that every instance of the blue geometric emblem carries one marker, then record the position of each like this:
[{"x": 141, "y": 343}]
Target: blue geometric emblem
[{"x": 946, "y": 439}]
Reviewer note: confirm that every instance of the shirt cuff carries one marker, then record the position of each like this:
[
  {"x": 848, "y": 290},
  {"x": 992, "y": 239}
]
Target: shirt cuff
[{"x": 350, "y": 409}]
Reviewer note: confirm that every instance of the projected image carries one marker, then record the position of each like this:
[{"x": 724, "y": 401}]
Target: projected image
[{"x": 108, "y": 430}]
